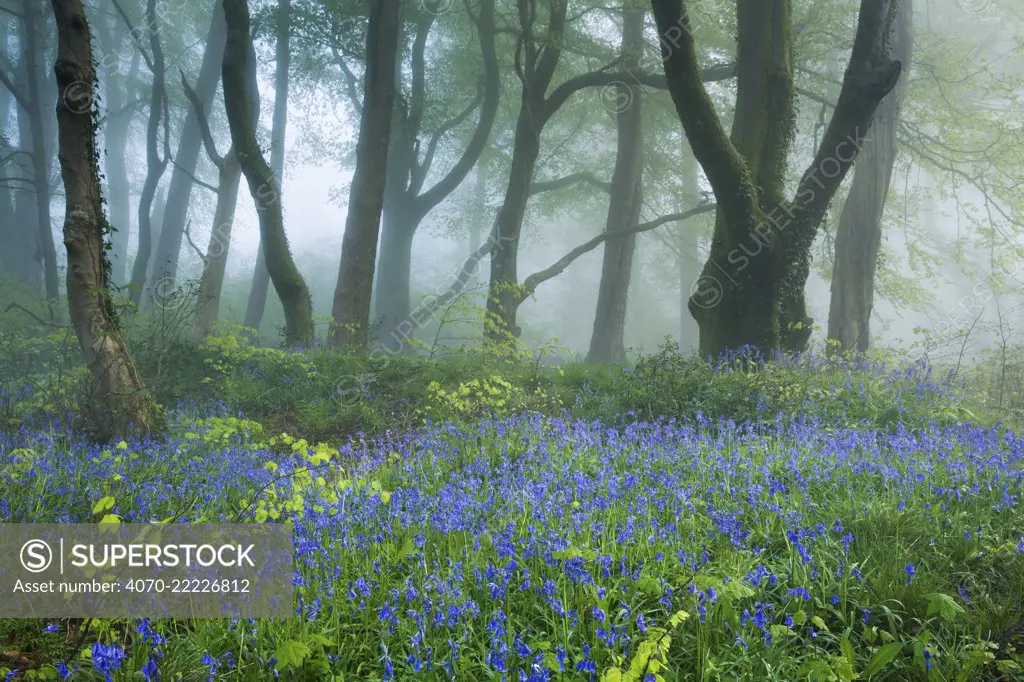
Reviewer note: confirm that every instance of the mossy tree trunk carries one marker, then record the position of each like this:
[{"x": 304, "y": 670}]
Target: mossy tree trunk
[
  {"x": 257, "y": 302},
  {"x": 751, "y": 290},
  {"x": 607, "y": 341},
  {"x": 241, "y": 100},
  {"x": 859, "y": 235},
  {"x": 121, "y": 403},
  {"x": 352, "y": 295}
]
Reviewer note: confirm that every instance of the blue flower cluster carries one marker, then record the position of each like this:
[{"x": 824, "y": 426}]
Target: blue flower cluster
[{"x": 532, "y": 547}]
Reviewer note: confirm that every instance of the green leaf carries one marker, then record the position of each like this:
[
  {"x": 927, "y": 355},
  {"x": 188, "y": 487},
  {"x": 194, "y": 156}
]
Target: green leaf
[
  {"x": 947, "y": 607},
  {"x": 103, "y": 505},
  {"x": 818, "y": 670},
  {"x": 846, "y": 648},
  {"x": 291, "y": 654},
  {"x": 881, "y": 658},
  {"x": 315, "y": 639}
]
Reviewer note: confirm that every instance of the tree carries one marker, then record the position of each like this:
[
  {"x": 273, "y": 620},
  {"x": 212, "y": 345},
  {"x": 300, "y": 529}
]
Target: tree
[
  {"x": 538, "y": 53},
  {"x": 859, "y": 234},
  {"x": 411, "y": 158},
  {"x": 121, "y": 91},
  {"x": 122, "y": 402},
  {"x": 607, "y": 340},
  {"x": 351, "y": 310},
  {"x": 186, "y": 156},
  {"x": 34, "y": 158},
  {"x": 215, "y": 260},
  {"x": 156, "y": 163},
  {"x": 260, "y": 277},
  {"x": 761, "y": 244},
  {"x": 241, "y": 99}
]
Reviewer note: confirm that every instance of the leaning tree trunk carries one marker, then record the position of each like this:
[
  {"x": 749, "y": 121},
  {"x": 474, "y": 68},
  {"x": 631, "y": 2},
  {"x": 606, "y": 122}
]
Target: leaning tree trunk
[
  {"x": 351, "y": 308},
  {"x": 122, "y": 404},
  {"x": 859, "y": 235},
  {"x": 216, "y": 260},
  {"x": 41, "y": 142},
  {"x": 186, "y": 157},
  {"x": 607, "y": 342},
  {"x": 241, "y": 97},
  {"x": 155, "y": 162},
  {"x": 751, "y": 290},
  {"x": 260, "y": 277}
]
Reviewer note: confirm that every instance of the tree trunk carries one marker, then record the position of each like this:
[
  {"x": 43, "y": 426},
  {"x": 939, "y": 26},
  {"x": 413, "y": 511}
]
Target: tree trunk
[
  {"x": 405, "y": 202},
  {"x": 761, "y": 245},
  {"x": 155, "y": 162},
  {"x": 859, "y": 235},
  {"x": 392, "y": 300},
  {"x": 478, "y": 221},
  {"x": 186, "y": 157},
  {"x": 42, "y": 145},
  {"x": 119, "y": 118},
  {"x": 261, "y": 278},
  {"x": 216, "y": 260},
  {"x": 27, "y": 230},
  {"x": 503, "y": 295},
  {"x": 688, "y": 255},
  {"x": 351, "y": 308},
  {"x": 9, "y": 236},
  {"x": 156, "y": 224},
  {"x": 122, "y": 402},
  {"x": 241, "y": 99},
  {"x": 607, "y": 342}
]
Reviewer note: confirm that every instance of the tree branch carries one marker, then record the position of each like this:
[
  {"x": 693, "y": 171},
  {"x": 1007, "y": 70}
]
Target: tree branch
[
  {"x": 536, "y": 279},
  {"x": 596, "y": 79},
  {"x": 573, "y": 179},
  {"x": 204, "y": 123},
  {"x": 419, "y": 173}
]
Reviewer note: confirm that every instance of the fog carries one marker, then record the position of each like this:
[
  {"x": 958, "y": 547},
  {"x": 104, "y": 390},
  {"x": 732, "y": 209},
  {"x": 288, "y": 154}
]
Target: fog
[{"x": 948, "y": 234}]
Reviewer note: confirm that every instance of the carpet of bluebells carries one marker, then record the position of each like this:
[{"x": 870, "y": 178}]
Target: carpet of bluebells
[{"x": 531, "y": 548}]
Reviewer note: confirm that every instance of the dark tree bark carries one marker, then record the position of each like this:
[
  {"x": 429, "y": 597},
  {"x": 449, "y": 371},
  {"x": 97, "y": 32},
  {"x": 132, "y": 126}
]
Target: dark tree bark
[
  {"x": 761, "y": 245},
  {"x": 351, "y": 308},
  {"x": 156, "y": 163},
  {"x": 179, "y": 191},
  {"x": 406, "y": 203},
  {"x": 122, "y": 403},
  {"x": 859, "y": 235},
  {"x": 607, "y": 342},
  {"x": 260, "y": 277},
  {"x": 41, "y": 124},
  {"x": 241, "y": 99}
]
